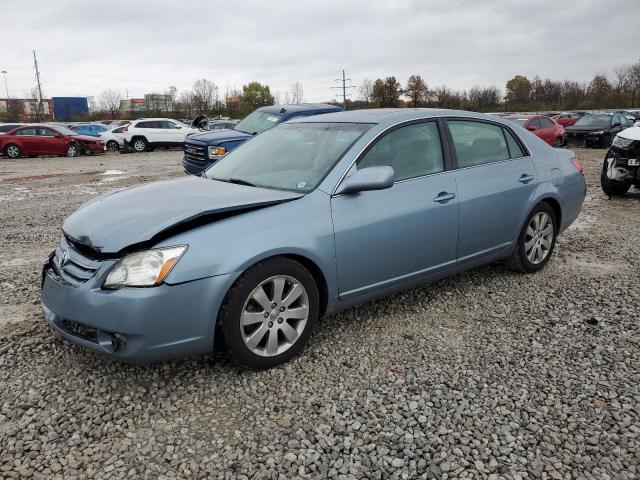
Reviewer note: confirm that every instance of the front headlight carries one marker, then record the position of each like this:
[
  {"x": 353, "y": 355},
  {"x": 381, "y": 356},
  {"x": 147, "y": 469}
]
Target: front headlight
[
  {"x": 144, "y": 269},
  {"x": 622, "y": 142},
  {"x": 216, "y": 153},
  {"x": 599, "y": 132}
]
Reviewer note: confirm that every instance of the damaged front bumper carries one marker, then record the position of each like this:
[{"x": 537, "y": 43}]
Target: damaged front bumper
[{"x": 133, "y": 324}]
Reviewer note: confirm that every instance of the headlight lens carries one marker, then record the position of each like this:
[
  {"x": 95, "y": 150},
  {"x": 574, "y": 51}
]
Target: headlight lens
[
  {"x": 216, "y": 153},
  {"x": 599, "y": 132},
  {"x": 144, "y": 269},
  {"x": 622, "y": 142}
]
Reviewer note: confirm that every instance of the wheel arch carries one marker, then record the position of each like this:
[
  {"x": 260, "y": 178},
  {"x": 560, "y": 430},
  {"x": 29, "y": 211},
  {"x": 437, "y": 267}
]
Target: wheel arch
[{"x": 555, "y": 205}]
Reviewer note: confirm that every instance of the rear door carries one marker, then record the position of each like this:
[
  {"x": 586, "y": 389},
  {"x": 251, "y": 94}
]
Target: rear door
[
  {"x": 29, "y": 141},
  {"x": 388, "y": 237},
  {"x": 496, "y": 180}
]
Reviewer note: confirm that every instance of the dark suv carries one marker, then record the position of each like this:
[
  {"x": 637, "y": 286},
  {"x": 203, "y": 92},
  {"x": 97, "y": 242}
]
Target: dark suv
[{"x": 204, "y": 149}]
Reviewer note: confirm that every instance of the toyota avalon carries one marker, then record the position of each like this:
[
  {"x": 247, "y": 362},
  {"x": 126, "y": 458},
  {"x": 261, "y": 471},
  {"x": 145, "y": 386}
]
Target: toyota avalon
[{"x": 302, "y": 221}]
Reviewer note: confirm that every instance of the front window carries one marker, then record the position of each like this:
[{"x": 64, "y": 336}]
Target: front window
[
  {"x": 294, "y": 156},
  {"x": 593, "y": 121},
  {"x": 258, "y": 122}
]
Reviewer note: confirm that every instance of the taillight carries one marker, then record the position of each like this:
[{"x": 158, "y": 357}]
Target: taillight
[
  {"x": 126, "y": 129},
  {"x": 576, "y": 163}
]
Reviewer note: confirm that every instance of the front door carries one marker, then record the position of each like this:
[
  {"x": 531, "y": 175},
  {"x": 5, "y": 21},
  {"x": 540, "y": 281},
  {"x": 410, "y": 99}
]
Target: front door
[
  {"x": 496, "y": 180},
  {"x": 389, "y": 237}
]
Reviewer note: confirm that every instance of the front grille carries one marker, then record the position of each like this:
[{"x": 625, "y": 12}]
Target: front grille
[
  {"x": 195, "y": 153},
  {"x": 73, "y": 265}
]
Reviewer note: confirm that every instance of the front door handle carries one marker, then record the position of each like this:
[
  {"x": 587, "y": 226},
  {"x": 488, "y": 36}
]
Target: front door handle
[
  {"x": 525, "y": 178},
  {"x": 444, "y": 197}
]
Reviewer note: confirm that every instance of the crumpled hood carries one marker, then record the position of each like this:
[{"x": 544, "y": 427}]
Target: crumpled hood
[
  {"x": 85, "y": 138},
  {"x": 585, "y": 128},
  {"x": 632, "y": 133},
  {"x": 117, "y": 220},
  {"x": 216, "y": 137}
]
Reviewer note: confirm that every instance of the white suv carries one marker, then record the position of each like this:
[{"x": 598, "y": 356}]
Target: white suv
[{"x": 148, "y": 133}]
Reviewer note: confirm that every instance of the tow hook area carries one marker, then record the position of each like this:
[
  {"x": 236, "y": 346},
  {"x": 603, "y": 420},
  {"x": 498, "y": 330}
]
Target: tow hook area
[{"x": 110, "y": 342}]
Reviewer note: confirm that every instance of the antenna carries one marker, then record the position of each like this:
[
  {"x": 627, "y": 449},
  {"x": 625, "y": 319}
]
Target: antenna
[
  {"x": 40, "y": 112},
  {"x": 344, "y": 87}
]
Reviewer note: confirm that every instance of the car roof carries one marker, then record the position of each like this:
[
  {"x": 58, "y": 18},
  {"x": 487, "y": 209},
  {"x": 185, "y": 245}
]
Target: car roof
[
  {"x": 299, "y": 107},
  {"x": 527, "y": 116},
  {"x": 390, "y": 116}
]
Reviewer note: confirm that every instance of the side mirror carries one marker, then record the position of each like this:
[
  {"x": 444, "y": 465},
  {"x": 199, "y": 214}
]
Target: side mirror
[{"x": 371, "y": 178}]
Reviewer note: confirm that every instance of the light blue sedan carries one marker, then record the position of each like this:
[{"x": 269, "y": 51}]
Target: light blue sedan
[{"x": 304, "y": 220}]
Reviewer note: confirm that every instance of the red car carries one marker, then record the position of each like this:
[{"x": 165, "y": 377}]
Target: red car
[
  {"x": 31, "y": 140},
  {"x": 567, "y": 119},
  {"x": 544, "y": 127}
]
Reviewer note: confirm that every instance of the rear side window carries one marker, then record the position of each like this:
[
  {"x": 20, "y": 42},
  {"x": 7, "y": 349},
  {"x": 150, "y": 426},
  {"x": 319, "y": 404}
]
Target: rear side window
[
  {"x": 515, "y": 150},
  {"x": 412, "y": 151},
  {"x": 27, "y": 131},
  {"x": 146, "y": 125},
  {"x": 546, "y": 123},
  {"x": 535, "y": 122},
  {"x": 477, "y": 143}
]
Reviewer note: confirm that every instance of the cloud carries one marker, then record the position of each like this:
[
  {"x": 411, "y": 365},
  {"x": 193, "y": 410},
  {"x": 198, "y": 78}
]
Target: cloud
[{"x": 146, "y": 46}]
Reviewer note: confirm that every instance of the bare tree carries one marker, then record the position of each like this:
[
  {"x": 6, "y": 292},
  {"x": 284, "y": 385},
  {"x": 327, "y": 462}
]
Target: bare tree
[
  {"x": 185, "y": 100},
  {"x": 204, "y": 95},
  {"x": 297, "y": 93},
  {"x": 366, "y": 90},
  {"x": 110, "y": 101}
]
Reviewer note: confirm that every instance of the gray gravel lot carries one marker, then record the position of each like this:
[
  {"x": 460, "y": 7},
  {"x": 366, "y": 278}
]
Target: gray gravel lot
[{"x": 489, "y": 374}]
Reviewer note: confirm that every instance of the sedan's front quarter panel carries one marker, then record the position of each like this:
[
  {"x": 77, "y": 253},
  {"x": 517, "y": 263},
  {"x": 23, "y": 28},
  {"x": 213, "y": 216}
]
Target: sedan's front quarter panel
[{"x": 230, "y": 246}]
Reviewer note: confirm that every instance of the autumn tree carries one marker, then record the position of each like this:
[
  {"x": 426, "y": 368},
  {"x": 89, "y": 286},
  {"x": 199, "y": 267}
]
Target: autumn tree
[
  {"x": 483, "y": 99},
  {"x": 204, "y": 95},
  {"x": 599, "y": 92},
  {"x": 256, "y": 95},
  {"x": 386, "y": 93},
  {"x": 297, "y": 93},
  {"x": 417, "y": 90},
  {"x": 110, "y": 102},
  {"x": 518, "y": 93}
]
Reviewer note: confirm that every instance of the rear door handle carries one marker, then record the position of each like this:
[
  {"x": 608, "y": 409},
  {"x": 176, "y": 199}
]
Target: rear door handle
[
  {"x": 525, "y": 178},
  {"x": 444, "y": 197}
]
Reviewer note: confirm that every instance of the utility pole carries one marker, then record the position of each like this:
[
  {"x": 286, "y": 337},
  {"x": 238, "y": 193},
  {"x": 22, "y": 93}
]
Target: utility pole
[
  {"x": 344, "y": 87},
  {"x": 40, "y": 107}
]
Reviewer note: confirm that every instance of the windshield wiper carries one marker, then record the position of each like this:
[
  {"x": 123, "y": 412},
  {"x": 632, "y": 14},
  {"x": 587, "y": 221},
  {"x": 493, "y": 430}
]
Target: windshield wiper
[{"x": 237, "y": 181}]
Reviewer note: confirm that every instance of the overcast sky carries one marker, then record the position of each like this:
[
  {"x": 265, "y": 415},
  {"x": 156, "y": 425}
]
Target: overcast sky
[{"x": 85, "y": 46}]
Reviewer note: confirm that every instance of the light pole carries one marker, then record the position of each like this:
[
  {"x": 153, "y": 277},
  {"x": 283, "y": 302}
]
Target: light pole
[{"x": 6, "y": 88}]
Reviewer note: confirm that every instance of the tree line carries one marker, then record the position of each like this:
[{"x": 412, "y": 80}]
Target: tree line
[{"x": 619, "y": 90}]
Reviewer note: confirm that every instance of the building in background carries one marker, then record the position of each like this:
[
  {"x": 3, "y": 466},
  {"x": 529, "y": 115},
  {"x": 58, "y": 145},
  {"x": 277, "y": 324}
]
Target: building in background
[
  {"x": 66, "y": 109},
  {"x": 25, "y": 109},
  {"x": 158, "y": 101},
  {"x": 135, "y": 105}
]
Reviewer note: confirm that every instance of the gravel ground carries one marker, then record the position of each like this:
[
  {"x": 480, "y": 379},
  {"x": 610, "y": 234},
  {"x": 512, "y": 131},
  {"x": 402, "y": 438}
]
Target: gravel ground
[{"x": 489, "y": 374}]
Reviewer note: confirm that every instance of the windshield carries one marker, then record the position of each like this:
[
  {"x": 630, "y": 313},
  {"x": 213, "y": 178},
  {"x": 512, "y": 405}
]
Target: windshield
[
  {"x": 519, "y": 121},
  {"x": 258, "y": 122},
  {"x": 593, "y": 120},
  {"x": 294, "y": 156}
]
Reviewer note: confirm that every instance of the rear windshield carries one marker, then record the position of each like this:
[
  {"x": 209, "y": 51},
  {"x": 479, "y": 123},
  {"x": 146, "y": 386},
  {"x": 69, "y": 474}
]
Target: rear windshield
[{"x": 519, "y": 121}]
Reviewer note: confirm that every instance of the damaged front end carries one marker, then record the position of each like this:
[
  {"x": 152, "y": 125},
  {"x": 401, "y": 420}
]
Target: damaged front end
[{"x": 621, "y": 168}]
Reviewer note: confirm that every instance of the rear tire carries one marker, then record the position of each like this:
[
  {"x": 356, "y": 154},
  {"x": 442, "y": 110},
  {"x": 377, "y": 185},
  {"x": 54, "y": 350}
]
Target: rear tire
[
  {"x": 269, "y": 313},
  {"x": 140, "y": 144},
  {"x": 13, "y": 151},
  {"x": 536, "y": 240},
  {"x": 612, "y": 188}
]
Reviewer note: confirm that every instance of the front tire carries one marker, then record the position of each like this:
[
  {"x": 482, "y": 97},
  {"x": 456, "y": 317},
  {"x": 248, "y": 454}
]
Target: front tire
[
  {"x": 113, "y": 146},
  {"x": 140, "y": 144},
  {"x": 536, "y": 240},
  {"x": 269, "y": 313},
  {"x": 12, "y": 151},
  {"x": 558, "y": 143},
  {"x": 73, "y": 150}
]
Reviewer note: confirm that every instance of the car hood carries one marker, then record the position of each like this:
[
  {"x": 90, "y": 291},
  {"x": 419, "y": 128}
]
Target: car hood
[
  {"x": 585, "y": 128},
  {"x": 632, "y": 133},
  {"x": 146, "y": 214},
  {"x": 85, "y": 138},
  {"x": 217, "y": 136}
]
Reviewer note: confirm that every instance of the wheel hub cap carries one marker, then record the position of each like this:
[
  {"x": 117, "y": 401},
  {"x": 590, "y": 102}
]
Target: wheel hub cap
[{"x": 538, "y": 237}]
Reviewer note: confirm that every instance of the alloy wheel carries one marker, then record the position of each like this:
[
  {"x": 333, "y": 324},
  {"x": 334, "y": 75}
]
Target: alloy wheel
[
  {"x": 112, "y": 146},
  {"x": 13, "y": 151},
  {"x": 274, "y": 316},
  {"x": 538, "y": 237},
  {"x": 72, "y": 151},
  {"x": 139, "y": 145}
]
